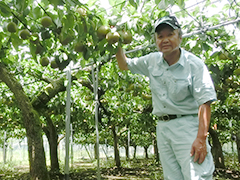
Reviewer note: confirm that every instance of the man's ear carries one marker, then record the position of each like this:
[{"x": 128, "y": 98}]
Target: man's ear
[
  {"x": 180, "y": 35},
  {"x": 180, "y": 39}
]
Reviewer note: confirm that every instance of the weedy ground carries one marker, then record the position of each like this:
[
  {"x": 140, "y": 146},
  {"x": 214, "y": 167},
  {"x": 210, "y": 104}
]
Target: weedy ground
[{"x": 134, "y": 169}]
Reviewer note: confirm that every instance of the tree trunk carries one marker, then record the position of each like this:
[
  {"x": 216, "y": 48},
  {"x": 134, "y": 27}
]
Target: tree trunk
[
  {"x": 217, "y": 149},
  {"x": 116, "y": 147},
  {"x": 238, "y": 144},
  {"x": 127, "y": 151},
  {"x": 156, "y": 149},
  {"x": 95, "y": 151},
  {"x": 135, "y": 151},
  {"x": 145, "y": 150},
  {"x": 37, "y": 161},
  {"x": 39, "y": 103},
  {"x": 52, "y": 136}
]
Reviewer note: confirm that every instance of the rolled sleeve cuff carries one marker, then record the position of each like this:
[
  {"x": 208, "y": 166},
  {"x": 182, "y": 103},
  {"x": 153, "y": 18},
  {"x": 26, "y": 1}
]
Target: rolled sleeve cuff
[{"x": 205, "y": 99}]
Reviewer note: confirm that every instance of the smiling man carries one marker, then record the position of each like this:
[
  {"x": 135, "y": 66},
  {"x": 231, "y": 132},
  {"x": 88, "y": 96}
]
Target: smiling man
[{"x": 182, "y": 92}]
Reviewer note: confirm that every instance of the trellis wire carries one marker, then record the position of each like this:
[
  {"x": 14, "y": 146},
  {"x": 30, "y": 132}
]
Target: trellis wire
[{"x": 203, "y": 30}]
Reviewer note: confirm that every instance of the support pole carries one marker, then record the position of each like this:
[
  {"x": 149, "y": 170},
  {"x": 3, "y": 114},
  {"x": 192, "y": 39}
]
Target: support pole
[
  {"x": 129, "y": 140},
  {"x": 95, "y": 88},
  {"x": 67, "y": 123},
  {"x": 71, "y": 143},
  {"x": 5, "y": 148}
]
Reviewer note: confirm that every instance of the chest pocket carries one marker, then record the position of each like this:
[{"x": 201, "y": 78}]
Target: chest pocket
[
  {"x": 178, "y": 89},
  {"x": 156, "y": 81}
]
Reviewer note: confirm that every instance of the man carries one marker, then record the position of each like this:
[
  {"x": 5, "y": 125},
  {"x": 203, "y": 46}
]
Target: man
[{"x": 182, "y": 91}]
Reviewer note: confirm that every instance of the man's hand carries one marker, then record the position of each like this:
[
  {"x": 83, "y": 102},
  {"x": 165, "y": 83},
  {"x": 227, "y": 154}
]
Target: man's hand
[{"x": 199, "y": 150}]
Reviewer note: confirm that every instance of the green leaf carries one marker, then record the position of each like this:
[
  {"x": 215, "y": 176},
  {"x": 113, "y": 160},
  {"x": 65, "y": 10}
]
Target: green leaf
[
  {"x": 1, "y": 37},
  {"x": 87, "y": 54},
  {"x": 2, "y": 53},
  {"x": 5, "y": 10},
  {"x": 205, "y": 46},
  {"x": 82, "y": 63},
  {"x": 112, "y": 2},
  {"x": 68, "y": 21},
  {"x": 45, "y": 35},
  {"x": 22, "y": 18},
  {"x": 72, "y": 3},
  {"x": 21, "y": 6},
  {"x": 16, "y": 41},
  {"x": 45, "y": 2},
  {"x": 215, "y": 54},
  {"x": 102, "y": 45},
  {"x": 56, "y": 3},
  {"x": 26, "y": 11},
  {"x": 180, "y": 3},
  {"x": 33, "y": 50},
  {"x": 91, "y": 2},
  {"x": 170, "y": 2},
  {"x": 133, "y": 3},
  {"x": 157, "y": 1},
  {"x": 238, "y": 25},
  {"x": 37, "y": 13},
  {"x": 80, "y": 29}
]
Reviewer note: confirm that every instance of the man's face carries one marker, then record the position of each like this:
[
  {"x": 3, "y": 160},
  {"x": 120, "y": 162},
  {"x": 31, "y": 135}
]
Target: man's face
[{"x": 168, "y": 40}]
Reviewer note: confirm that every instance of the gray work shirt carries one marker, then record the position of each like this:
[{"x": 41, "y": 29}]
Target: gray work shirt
[{"x": 177, "y": 89}]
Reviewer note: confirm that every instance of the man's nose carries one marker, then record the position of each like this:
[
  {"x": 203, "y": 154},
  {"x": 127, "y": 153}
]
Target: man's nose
[{"x": 165, "y": 39}]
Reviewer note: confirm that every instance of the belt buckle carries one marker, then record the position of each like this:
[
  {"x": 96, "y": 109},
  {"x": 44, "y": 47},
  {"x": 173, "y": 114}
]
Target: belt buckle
[{"x": 165, "y": 117}]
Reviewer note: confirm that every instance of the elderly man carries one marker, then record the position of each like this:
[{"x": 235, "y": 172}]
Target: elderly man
[{"x": 182, "y": 92}]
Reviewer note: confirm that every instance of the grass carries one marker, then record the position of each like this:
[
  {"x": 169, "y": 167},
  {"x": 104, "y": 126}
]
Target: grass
[
  {"x": 84, "y": 168},
  {"x": 134, "y": 169}
]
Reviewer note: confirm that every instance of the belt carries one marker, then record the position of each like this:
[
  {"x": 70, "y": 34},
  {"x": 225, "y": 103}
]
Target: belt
[{"x": 168, "y": 117}]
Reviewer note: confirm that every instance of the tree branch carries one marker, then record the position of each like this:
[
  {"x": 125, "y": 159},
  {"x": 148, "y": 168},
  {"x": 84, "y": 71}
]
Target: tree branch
[
  {"x": 48, "y": 93},
  {"x": 46, "y": 13},
  {"x": 20, "y": 20}
]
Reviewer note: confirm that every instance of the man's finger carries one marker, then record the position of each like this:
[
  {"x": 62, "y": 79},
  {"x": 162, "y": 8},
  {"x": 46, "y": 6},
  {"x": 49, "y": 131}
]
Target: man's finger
[
  {"x": 196, "y": 156},
  {"x": 192, "y": 152},
  {"x": 201, "y": 158}
]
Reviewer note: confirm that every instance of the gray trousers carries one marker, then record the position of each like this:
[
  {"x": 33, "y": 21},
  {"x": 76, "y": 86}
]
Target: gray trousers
[{"x": 174, "y": 140}]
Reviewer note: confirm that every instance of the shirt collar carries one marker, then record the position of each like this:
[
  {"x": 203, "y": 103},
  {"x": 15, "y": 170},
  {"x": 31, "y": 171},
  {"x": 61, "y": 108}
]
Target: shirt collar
[
  {"x": 160, "y": 60},
  {"x": 182, "y": 57},
  {"x": 180, "y": 61}
]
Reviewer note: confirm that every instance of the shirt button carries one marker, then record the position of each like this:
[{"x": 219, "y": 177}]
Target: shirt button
[{"x": 164, "y": 106}]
